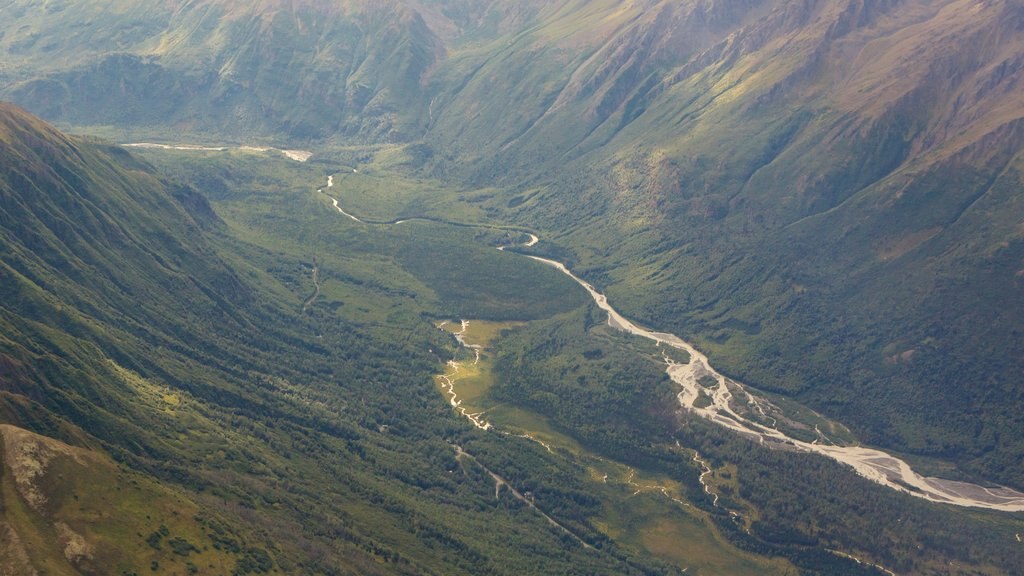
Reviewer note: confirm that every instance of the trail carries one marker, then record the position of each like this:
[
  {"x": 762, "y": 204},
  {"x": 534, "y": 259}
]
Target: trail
[
  {"x": 875, "y": 465},
  {"x": 500, "y": 483}
]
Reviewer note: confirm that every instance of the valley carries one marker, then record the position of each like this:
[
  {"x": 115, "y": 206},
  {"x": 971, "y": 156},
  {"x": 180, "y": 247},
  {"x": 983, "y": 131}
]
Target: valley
[
  {"x": 681, "y": 366},
  {"x": 873, "y": 464},
  {"x": 503, "y": 287},
  {"x": 637, "y": 490}
]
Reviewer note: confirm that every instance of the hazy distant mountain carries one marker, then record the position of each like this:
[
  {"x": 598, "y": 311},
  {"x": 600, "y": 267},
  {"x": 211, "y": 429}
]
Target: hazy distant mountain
[{"x": 309, "y": 70}]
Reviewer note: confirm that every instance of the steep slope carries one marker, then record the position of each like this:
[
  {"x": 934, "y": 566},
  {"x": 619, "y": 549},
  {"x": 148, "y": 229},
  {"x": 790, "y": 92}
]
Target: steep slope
[
  {"x": 250, "y": 433},
  {"x": 69, "y": 510},
  {"x": 539, "y": 98}
]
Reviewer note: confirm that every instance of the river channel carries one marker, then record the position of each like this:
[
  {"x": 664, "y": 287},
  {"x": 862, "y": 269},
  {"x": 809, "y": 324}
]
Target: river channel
[{"x": 708, "y": 394}]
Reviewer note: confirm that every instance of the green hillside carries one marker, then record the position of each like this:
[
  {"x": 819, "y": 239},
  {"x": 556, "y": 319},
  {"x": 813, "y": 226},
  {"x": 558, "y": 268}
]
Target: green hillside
[{"x": 137, "y": 323}]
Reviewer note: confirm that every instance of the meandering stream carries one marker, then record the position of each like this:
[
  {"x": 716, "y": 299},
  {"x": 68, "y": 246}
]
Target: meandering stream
[
  {"x": 730, "y": 404},
  {"x": 448, "y": 380}
]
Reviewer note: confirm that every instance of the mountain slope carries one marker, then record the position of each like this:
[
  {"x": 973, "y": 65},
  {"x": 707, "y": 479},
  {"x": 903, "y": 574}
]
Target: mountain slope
[
  {"x": 137, "y": 328},
  {"x": 845, "y": 232},
  {"x": 70, "y": 510}
]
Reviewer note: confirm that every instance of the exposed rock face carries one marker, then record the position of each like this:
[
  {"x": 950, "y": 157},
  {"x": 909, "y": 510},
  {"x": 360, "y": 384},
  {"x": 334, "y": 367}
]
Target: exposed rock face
[
  {"x": 76, "y": 549},
  {"x": 27, "y": 456}
]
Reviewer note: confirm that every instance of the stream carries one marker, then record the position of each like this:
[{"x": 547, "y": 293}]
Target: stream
[{"x": 316, "y": 287}]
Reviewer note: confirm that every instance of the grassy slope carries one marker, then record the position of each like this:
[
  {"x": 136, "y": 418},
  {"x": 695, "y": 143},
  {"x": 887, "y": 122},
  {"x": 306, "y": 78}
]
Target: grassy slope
[{"x": 88, "y": 498}]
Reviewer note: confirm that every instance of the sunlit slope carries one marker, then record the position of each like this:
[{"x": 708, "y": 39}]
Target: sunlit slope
[{"x": 70, "y": 510}]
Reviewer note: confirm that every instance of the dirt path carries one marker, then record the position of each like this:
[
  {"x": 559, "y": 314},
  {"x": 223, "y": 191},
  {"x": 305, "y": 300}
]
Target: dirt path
[{"x": 500, "y": 483}]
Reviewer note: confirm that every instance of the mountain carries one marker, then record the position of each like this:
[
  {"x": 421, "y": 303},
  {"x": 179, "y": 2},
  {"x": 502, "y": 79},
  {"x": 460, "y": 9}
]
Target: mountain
[
  {"x": 308, "y": 70},
  {"x": 827, "y": 199},
  {"x": 823, "y": 195},
  {"x": 217, "y": 67}
]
